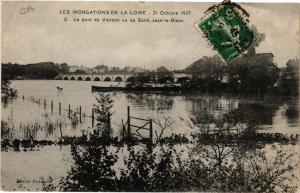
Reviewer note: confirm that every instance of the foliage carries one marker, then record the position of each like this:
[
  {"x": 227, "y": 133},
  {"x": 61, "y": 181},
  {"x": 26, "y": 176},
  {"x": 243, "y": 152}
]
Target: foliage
[
  {"x": 47, "y": 184},
  {"x": 213, "y": 167},
  {"x": 161, "y": 75},
  {"x": 271, "y": 175},
  {"x": 6, "y": 90},
  {"x": 42, "y": 70},
  {"x": 164, "y": 75},
  {"x": 141, "y": 78},
  {"x": 174, "y": 139},
  {"x": 163, "y": 122},
  {"x": 79, "y": 72},
  {"x": 12, "y": 71},
  {"x": 234, "y": 129},
  {"x": 206, "y": 72},
  {"x": 64, "y": 68},
  {"x": 103, "y": 114},
  {"x": 253, "y": 73},
  {"x": 91, "y": 171},
  {"x": 206, "y": 67},
  {"x": 289, "y": 79}
]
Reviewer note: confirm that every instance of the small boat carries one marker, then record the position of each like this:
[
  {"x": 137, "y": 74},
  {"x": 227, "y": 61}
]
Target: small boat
[{"x": 59, "y": 88}]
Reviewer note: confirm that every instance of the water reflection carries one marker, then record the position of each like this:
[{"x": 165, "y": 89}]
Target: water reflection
[
  {"x": 275, "y": 115},
  {"x": 292, "y": 112},
  {"x": 6, "y": 100},
  {"x": 254, "y": 113},
  {"x": 213, "y": 104},
  {"x": 151, "y": 101}
]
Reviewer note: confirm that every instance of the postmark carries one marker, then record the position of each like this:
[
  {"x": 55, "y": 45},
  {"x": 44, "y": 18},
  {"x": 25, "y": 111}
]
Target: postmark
[{"x": 227, "y": 31}]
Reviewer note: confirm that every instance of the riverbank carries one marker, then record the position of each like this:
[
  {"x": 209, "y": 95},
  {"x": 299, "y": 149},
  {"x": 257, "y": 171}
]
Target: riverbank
[{"x": 258, "y": 140}]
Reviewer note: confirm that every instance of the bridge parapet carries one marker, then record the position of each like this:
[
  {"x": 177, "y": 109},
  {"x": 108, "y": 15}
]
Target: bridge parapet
[{"x": 95, "y": 77}]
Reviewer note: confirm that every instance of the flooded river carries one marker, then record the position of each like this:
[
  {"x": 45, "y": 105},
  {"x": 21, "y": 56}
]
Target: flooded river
[{"x": 275, "y": 115}]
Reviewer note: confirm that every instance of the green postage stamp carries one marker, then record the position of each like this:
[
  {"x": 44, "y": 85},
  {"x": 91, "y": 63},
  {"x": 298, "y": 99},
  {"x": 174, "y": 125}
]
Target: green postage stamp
[{"x": 227, "y": 31}]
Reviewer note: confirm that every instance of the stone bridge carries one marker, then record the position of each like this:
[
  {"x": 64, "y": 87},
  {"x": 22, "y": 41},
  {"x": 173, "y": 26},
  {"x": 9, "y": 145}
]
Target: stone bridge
[
  {"x": 110, "y": 77},
  {"x": 96, "y": 77}
]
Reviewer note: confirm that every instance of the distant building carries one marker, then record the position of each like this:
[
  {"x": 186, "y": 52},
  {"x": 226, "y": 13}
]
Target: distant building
[
  {"x": 181, "y": 76},
  {"x": 73, "y": 69},
  {"x": 101, "y": 69}
]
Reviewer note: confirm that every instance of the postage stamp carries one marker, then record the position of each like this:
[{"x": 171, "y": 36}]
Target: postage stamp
[{"x": 227, "y": 31}]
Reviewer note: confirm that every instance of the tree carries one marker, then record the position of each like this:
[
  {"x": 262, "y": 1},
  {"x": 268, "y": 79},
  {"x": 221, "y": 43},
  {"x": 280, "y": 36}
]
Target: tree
[
  {"x": 43, "y": 70},
  {"x": 12, "y": 71},
  {"x": 163, "y": 122},
  {"x": 6, "y": 90},
  {"x": 79, "y": 71},
  {"x": 253, "y": 73},
  {"x": 164, "y": 75},
  {"x": 289, "y": 79},
  {"x": 206, "y": 72},
  {"x": 141, "y": 78},
  {"x": 92, "y": 169},
  {"x": 103, "y": 115},
  {"x": 64, "y": 68}
]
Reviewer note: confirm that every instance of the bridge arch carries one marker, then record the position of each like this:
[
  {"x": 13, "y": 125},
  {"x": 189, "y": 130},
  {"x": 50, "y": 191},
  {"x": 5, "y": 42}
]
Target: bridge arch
[
  {"x": 97, "y": 77},
  {"x": 118, "y": 79},
  {"x": 107, "y": 79}
]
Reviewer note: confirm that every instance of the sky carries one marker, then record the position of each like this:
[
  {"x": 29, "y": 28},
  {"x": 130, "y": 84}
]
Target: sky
[{"x": 41, "y": 34}]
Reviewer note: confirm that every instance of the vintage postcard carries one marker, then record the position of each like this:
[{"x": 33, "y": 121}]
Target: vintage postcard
[{"x": 150, "y": 96}]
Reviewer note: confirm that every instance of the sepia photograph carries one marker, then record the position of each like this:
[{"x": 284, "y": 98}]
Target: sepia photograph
[{"x": 101, "y": 96}]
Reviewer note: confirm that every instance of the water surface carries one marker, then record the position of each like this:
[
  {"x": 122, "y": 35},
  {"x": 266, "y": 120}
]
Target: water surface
[{"x": 274, "y": 114}]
